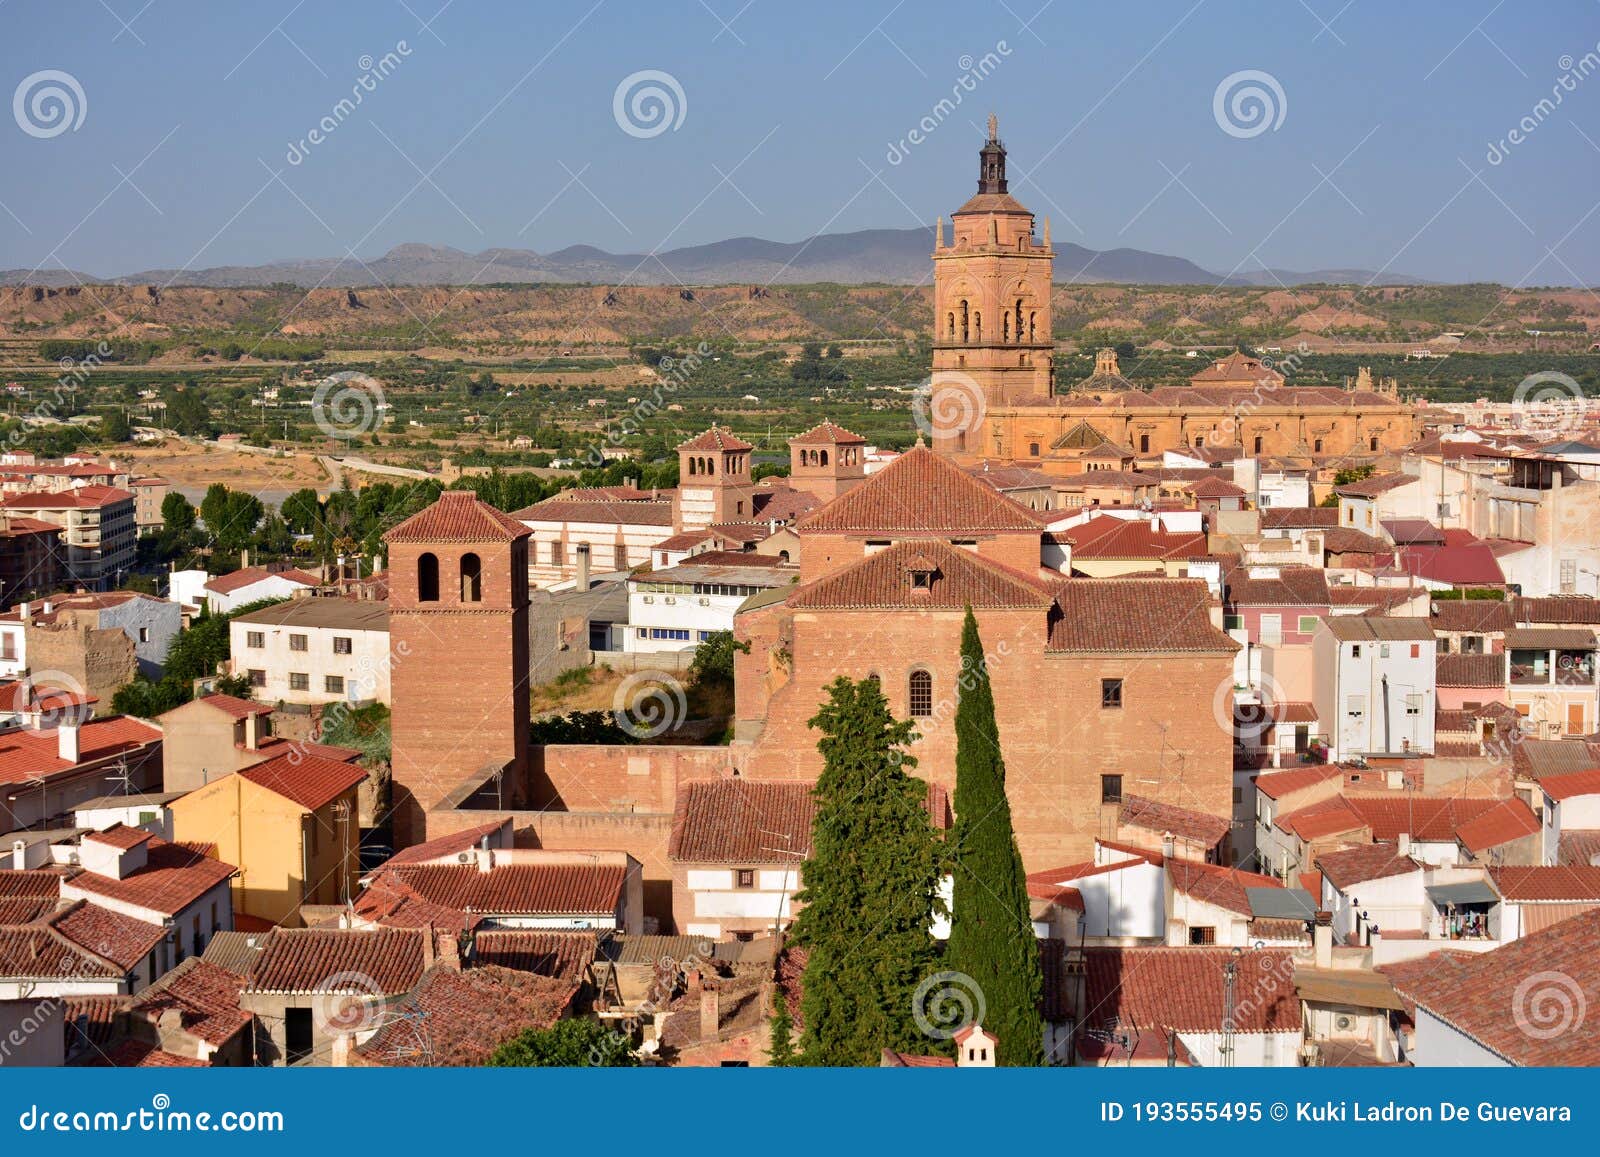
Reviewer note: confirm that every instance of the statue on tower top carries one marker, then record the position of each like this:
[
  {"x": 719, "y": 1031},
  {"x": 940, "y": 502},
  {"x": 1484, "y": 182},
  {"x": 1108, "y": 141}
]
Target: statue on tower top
[
  {"x": 992, "y": 161},
  {"x": 994, "y": 127}
]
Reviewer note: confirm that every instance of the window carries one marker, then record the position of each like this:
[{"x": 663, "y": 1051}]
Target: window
[
  {"x": 673, "y": 634},
  {"x": 1033, "y": 449},
  {"x": 744, "y": 878},
  {"x": 471, "y": 578},
  {"x": 333, "y": 684},
  {"x": 428, "y": 578},
  {"x": 1110, "y": 789},
  {"x": 1354, "y": 706},
  {"x": 1144, "y": 443},
  {"x": 1444, "y": 646},
  {"x": 922, "y": 580},
  {"x": 297, "y": 643},
  {"x": 341, "y": 644},
  {"x": 1308, "y": 624},
  {"x": 257, "y": 678},
  {"x": 921, "y": 685},
  {"x": 8, "y": 645},
  {"x": 1111, "y": 693},
  {"x": 1257, "y": 444},
  {"x": 1413, "y": 704},
  {"x": 1383, "y": 650},
  {"x": 299, "y": 681},
  {"x": 1416, "y": 650},
  {"x": 1271, "y": 630},
  {"x": 144, "y": 634},
  {"x": 1202, "y": 936},
  {"x": 255, "y": 639},
  {"x": 1233, "y": 622},
  {"x": 1316, "y": 447},
  {"x": 1569, "y": 575},
  {"x": 1355, "y": 650}
]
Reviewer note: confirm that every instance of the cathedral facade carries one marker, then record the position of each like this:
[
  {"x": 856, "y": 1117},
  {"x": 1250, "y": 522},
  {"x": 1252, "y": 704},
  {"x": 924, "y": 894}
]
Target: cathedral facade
[{"x": 994, "y": 390}]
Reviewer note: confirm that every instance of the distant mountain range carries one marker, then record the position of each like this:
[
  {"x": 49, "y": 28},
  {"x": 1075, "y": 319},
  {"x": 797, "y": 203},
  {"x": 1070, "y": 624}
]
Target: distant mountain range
[{"x": 893, "y": 256}]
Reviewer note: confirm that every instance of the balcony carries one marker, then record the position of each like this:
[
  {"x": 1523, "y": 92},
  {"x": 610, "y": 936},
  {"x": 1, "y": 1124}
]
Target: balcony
[{"x": 1554, "y": 668}]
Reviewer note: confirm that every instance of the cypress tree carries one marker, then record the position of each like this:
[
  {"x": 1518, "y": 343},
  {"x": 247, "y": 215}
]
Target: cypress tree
[
  {"x": 870, "y": 885},
  {"x": 991, "y": 930}
]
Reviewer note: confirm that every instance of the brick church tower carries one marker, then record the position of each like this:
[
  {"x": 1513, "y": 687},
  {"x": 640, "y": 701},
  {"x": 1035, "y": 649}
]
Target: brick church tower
[
  {"x": 458, "y": 649},
  {"x": 991, "y": 294},
  {"x": 827, "y": 460},
  {"x": 713, "y": 481}
]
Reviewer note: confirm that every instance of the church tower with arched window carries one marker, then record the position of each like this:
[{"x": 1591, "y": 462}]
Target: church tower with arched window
[
  {"x": 714, "y": 483},
  {"x": 458, "y": 656},
  {"x": 992, "y": 343}
]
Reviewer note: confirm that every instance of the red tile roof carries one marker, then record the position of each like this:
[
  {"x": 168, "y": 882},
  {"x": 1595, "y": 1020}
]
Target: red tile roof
[
  {"x": 740, "y": 821},
  {"x": 29, "y": 884},
  {"x": 1183, "y": 989},
  {"x": 1350, "y": 866},
  {"x": 83, "y": 498},
  {"x": 1155, "y": 816},
  {"x": 1556, "y": 883},
  {"x": 445, "y": 846},
  {"x": 226, "y": 584},
  {"x": 520, "y": 889},
  {"x": 564, "y": 955},
  {"x": 1237, "y": 367},
  {"x": 234, "y": 706},
  {"x": 1291, "y": 586},
  {"x": 1470, "y": 670},
  {"x": 617, "y": 513},
  {"x": 120, "y": 939},
  {"x": 458, "y": 1018},
  {"x": 120, "y": 836},
  {"x": 826, "y": 431},
  {"x": 1299, "y": 517},
  {"x": 1215, "y": 488},
  {"x": 1509, "y": 819},
  {"x": 883, "y": 581},
  {"x": 307, "y": 780},
  {"x": 1473, "y": 616},
  {"x": 1564, "y": 610},
  {"x": 136, "y": 1054},
  {"x": 1145, "y": 615},
  {"x": 458, "y": 516},
  {"x": 921, "y": 492},
  {"x": 1211, "y": 884},
  {"x": 25, "y": 755},
  {"x": 1465, "y": 563},
  {"x": 1524, "y": 1000},
  {"x": 40, "y": 952},
  {"x": 205, "y": 998},
  {"x": 1422, "y": 818},
  {"x": 386, "y": 962},
  {"x": 173, "y": 877},
  {"x": 1326, "y": 818},
  {"x": 716, "y": 438},
  {"x": 1572, "y": 783},
  {"x": 1277, "y": 784},
  {"x": 1375, "y": 485},
  {"x": 1106, "y": 537}
]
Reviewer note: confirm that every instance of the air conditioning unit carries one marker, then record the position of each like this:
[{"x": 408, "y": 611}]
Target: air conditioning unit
[
  {"x": 463, "y": 857},
  {"x": 705, "y": 602},
  {"x": 649, "y": 598},
  {"x": 670, "y": 601},
  {"x": 1344, "y": 1023}
]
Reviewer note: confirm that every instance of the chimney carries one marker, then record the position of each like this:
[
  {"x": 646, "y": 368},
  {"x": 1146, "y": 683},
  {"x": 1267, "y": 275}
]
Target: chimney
[
  {"x": 1169, "y": 845},
  {"x": 252, "y": 731},
  {"x": 67, "y": 739},
  {"x": 449, "y": 952},
  {"x": 47, "y": 607},
  {"x": 708, "y": 1013},
  {"x": 485, "y": 858},
  {"x": 582, "y": 580},
  {"x": 244, "y": 560},
  {"x": 1403, "y": 844},
  {"x": 25, "y": 610},
  {"x": 1322, "y": 939}
]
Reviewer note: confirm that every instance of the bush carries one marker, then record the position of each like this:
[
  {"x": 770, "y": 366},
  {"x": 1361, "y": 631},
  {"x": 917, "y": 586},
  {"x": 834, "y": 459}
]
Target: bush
[{"x": 573, "y": 1043}]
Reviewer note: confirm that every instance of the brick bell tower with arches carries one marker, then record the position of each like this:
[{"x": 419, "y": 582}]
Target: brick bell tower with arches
[
  {"x": 713, "y": 481},
  {"x": 458, "y": 653},
  {"x": 991, "y": 291}
]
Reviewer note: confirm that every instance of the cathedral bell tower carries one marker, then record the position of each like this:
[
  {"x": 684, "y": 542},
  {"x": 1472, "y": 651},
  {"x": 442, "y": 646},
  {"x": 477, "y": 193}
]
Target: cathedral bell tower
[{"x": 992, "y": 344}]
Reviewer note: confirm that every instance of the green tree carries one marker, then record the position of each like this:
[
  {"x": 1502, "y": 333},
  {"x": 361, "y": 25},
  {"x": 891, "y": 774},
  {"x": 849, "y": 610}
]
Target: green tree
[
  {"x": 301, "y": 510},
  {"x": 713, "y": 658},
  {"x": 577, "y": 1042},
  {"x": 991, "y": 927},
  {"x": 114, "y": 426},
  {"x": 177, "y": 512},
  {"x": 871, "y": 884},
  {"x": 780, "y": 1051}
]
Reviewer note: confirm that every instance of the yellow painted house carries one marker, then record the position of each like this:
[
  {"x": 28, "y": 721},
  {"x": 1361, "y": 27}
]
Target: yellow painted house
[{"x": 290, "y": 824}]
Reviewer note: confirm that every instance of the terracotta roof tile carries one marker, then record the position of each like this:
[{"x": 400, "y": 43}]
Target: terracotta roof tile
[
  {"x": 1509, "y": 819},
  {"x": 226, "y": 584},
  {"x": 41, "y": 952},
  {"x": 120, "y": 836},
  {"x": 716, "y": 438},
  {"x": 883, "y": 580},
  {"x": 1107, "y": 537},
  {"x": 205, "y": 997},
  {"x": 1422, "y": 818},
  {"x": 1351, "y": 866},
  {"x": 234, "y": 706},
  {"x": 740, "y": 821},
  {"x": 1562, "y": 610},
  {"x": 1146, "y": 615},
  {"x": 1211, "y": 884},
  {"x": 1579, "y": 848},
  {"x": 1299, "y": 517},
  {"x": 1155, "y": 816},
  {"x": 173, "y": 878},
  {"x": 921, "y": 492},
  {"x": 1183, "y": 989},
  {"x": 1277, "y": 784},
  {"x": 387, "y": 961},
  {"x": 517, "y": 889},
  {"x": 1375, "y": 485},
  {"x": 1474, "y": 616},
  {"x": 655, "y": 513},
  {"x": 307, "y": 780},
  {"x": 25, "y": 755},
  {"x": 1524, "y": 884},
  {"x": 1566, "y": 785},
  {"x": 1291, "y": 586},
  {"x": 826, "y": 432},
  {"x": 120, "y": 939},
  {"x": 135, "y": 1054},
  {"x": 564, "y": 955},
  {"x": 1458, "y": 670},
  {"x": 458, "y": 516},
  {"x": 445, "y": 847},
  {"x": 458, "y": 1018}
]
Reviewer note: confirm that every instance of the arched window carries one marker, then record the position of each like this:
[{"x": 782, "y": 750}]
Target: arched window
[
  {"x": 428, "y": 578},
  {"x": 1005, "y": 327},
  {"x": 824, "y": 454},
  {"x": 1372, "y": 444},
  {"x": 977, "y": 327},
  {"x": 921, "y": 686},
  {"x": 471, "y": 578},
  {"x": 965, "y": 332},
  {"x": 950, "y": 324},
  {"x": 783, "y": 556},
  {"x": 711, "y": 466}
]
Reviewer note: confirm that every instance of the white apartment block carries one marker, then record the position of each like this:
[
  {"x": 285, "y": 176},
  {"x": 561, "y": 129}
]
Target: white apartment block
[{"x": 314, "y": 650}]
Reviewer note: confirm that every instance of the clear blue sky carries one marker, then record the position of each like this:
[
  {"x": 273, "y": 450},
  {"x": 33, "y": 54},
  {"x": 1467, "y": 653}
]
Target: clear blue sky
[{"x": 790, "y": 112}]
